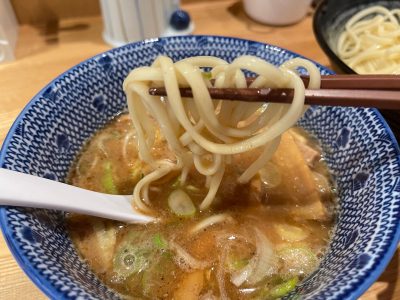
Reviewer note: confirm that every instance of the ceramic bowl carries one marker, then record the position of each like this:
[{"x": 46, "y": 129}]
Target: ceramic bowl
[{"x": 46, "y": 137}]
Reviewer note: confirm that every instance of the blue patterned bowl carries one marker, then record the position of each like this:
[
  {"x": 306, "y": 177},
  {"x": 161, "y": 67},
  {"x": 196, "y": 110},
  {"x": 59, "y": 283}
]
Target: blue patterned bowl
[{"x": 358, "y": 145}]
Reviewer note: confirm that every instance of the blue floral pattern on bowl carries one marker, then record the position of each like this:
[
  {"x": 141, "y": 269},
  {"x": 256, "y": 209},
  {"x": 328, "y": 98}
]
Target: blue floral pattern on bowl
[{"x": 46, "y": 137}]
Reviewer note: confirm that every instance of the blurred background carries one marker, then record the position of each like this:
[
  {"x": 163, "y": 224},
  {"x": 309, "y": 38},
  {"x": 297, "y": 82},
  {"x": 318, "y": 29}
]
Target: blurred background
[{"x": 43, "y": 23}]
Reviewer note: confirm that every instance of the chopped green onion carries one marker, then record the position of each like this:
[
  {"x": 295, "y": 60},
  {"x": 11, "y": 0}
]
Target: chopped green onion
[
  {"x": 134, "y": 254},
  {"x": 282, "y": 289},
  {"x": 192, "y": 188},
  {"x": 137, "y": 173},
  {"x": 130, "y": 259},
  {"x": 180, "y": 204},
  {"x": 206, "y": 75},
  {"x": 176, "y": 183},
  {"x": 237, "y": 264},
  {"x": 159, "y": 241},
  {"x": 107, "y": 179},
  {"x": 116, "y": 134}
]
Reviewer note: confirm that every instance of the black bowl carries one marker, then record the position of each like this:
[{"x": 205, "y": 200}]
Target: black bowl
[{"x": 329, "y": 20}]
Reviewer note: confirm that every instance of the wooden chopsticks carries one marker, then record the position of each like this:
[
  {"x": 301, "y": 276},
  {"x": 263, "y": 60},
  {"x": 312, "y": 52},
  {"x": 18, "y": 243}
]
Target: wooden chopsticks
[
  {"x": 359, "y": 82},
  {"x": 380, "y": 91}
]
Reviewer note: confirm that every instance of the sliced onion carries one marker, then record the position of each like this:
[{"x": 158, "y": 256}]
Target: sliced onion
[
  {"x": 208, "y": 296},
  {"x": 238, "y": 278},
  {"x": 93, "y": 163},
  {"x": 270, "y": 175},
  {"x": 223, "y": 240},
  {"x": 185, "y": 261},
  {"x": 181, "y": 204},
  {"x": 261, "y": 265},
  {"x": 127, "y": 140},
  {"x": 215, "y": 219},
  {"x": 106, "y": 238},
  {"x": 291, "y": 233},
  {"x": 321, "y": 182},
  {"x": 247, "y": 291},
  {"x": 220, "y": 274}
]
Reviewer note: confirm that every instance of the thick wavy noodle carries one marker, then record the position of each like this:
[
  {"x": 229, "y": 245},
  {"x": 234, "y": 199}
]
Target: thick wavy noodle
[
  {"x": 370, "y": 42},
  {"x": 207, "y": 133}
]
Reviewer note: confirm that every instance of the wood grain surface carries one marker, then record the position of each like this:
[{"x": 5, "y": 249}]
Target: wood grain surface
[{"x": 43, "y": 52}]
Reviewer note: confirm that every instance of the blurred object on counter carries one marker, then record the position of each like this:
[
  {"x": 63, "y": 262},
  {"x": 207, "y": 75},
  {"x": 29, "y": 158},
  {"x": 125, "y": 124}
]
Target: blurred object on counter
[
  {"x": 315, "y": 3},
  {"x": 277, "y": 12},
  {"x": 41, "y": 12},
  {"x": 8, "y": 31},
  {"x": 133, "y": 20}
]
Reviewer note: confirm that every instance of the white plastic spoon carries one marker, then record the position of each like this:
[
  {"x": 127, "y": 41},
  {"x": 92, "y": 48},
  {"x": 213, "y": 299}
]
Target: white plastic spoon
[{"x": 19, "y": 189}]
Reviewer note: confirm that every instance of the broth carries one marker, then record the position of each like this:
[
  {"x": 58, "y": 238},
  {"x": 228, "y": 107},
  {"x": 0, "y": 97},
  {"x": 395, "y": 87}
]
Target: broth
[{"x": 275, "y": 228}]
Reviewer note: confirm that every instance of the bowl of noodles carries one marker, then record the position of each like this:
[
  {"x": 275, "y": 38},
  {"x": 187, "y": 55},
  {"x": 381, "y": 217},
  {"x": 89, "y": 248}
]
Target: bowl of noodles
[
  {"x": 360, "y": 36},
  {"x": 252, "y": 201}
]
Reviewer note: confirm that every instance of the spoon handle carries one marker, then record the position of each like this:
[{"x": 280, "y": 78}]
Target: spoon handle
[{"x": 19, "y": 189}]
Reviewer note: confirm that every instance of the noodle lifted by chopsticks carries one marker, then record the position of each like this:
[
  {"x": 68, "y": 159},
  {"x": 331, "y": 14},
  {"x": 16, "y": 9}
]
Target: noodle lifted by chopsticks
[{"x": 204, "y": 132}]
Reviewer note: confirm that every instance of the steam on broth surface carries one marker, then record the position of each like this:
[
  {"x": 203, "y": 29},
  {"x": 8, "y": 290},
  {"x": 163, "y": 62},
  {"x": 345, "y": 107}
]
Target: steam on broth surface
[{"x": 257, "y": 241}]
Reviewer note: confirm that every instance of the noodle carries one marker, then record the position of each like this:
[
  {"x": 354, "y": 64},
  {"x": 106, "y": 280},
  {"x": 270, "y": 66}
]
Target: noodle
[
  {"x": 215, "y": 219},
  {"x": 205, "y": 133},
  {"x": 370, "y": 42}
]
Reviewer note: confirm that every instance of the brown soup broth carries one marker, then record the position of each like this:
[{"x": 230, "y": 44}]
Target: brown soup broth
[{"x": 291, "y": 206}]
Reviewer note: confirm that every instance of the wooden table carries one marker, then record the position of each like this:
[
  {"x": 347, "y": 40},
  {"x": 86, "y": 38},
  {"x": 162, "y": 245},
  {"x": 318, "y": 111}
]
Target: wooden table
[{"x": 44, "y": 52}]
